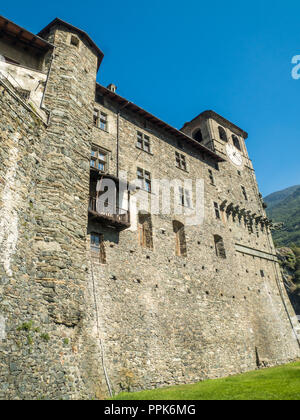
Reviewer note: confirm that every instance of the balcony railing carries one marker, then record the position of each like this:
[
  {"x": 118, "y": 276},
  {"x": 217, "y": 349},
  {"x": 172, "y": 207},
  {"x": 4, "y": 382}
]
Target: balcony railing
[{"x": 119, "y": 218}]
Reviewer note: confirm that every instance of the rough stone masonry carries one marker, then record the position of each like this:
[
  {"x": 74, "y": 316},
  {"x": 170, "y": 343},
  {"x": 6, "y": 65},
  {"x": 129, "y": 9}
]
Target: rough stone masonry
[{"x": 92, "y": 301}]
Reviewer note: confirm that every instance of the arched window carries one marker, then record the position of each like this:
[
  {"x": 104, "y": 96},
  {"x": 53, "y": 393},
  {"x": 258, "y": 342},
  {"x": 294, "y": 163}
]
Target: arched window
[
  {"x": 222, "y": 133},
  {"x": 197, "y": 135},
  {"x": 220, "y": 248},
  {"x": 180, "y": 245},
  {"x": 236, "y": 142},
  {"x": 145, "y": 230}
]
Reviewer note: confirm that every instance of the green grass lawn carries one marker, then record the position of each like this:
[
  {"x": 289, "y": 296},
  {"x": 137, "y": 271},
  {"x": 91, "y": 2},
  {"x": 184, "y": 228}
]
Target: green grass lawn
[{"x": 279, "y": 383}]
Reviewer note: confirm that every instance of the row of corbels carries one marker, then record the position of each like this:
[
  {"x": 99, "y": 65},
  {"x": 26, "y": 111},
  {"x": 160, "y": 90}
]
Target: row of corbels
[{"x": 237, "y": 210}]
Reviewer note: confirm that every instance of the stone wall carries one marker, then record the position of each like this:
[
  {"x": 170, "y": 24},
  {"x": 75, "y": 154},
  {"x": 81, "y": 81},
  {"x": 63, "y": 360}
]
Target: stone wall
[
  {"x": 167, "y": 319},
  {"x": 147, "y": 317}
]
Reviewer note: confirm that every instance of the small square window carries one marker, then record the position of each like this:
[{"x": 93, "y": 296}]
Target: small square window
[
  {"x": 74, "y": 41},
  {"x": 143, "y": 142},
  {"x": 180, "y": 161},
  {"x": 145, "y": 179}
]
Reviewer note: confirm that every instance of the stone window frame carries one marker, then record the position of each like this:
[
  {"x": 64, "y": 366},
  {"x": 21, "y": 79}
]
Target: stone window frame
[
  {"x": 144, "y": 177},
  {"x": 180, "y": 161},
  {"x": 143, "y": 142},
  {"x": 184, "y": 197},
  {"x": 74, "y": 41},
  {"x": 97, "y": 246},
  {"x": 100, "y": 119},
  {"x": 101, "y": 158},
  {"x": 220, "y": 247}
]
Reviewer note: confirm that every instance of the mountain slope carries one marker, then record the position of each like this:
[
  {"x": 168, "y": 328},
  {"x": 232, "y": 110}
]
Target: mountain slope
[
  {"x": 284, "y": 206},
  {"x": 277, "y": 197}
]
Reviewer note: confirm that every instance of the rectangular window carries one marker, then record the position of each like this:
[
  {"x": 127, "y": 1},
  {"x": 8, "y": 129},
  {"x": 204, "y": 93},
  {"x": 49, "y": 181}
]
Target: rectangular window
[
  {"x": 143, "y": 142},
  {"x": 100, "y": 119},
  {"x": 211, "y": 177},
  {"x": 103, "y": 121},
  {"x": 180, "y": 161},
  {"x": 144, "y": 178},
  {"x": 217, "y": 210},
  {"x": 98, "y": 159},
  {"x": 184, "y": 197},
  {"x": 98, "y": 247},
  {"x": 262, "y": 273},
  {"x": 244, "y": 193}
]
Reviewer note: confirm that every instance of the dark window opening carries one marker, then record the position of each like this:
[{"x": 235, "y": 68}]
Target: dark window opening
[
  {"x": 211, "y": 177},
  {"x": 217, "y": 210},
  {"x": 244, "y": 193},
  {"x": 222, "y": 133},
  {"x": 180, "y": 247},
  {"x": 219, "y": 245},
  {"x": 74, "y": 41},
  {"x": 197, "y": 135},
  {"x": 236, "y": 142},
  {"x": 262, "y": 273}
]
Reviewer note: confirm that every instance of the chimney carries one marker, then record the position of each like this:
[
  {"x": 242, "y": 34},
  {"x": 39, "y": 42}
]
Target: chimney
[{"x": 112, "y": 87}]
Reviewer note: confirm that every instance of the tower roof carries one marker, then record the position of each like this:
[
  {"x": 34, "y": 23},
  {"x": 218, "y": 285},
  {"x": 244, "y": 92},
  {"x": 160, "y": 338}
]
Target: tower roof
[
  {"x": 221, "y": 120},
  {"x": 58, "y": 21}
]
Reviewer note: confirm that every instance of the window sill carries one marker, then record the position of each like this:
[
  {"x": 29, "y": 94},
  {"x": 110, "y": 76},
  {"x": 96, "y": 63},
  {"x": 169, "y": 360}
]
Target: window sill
[
  {"x": 149, "y": 192},
  {"x": 99, "y": 128},
  {"x": 142, "y": 150},
  {"x": 184, "y": 170}
]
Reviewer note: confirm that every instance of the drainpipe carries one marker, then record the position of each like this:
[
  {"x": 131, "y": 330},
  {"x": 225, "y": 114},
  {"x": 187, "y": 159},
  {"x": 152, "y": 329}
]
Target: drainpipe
[
  {"x": 118, "y": 135},
  {"x": 46, "y": 84}
]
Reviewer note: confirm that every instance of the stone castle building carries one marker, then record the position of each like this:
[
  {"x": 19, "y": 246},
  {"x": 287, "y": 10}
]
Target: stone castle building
[{"x": 94, "y": 301}]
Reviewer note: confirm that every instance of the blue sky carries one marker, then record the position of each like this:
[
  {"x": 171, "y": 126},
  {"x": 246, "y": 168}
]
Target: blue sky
[{"x": 179, "y": 58}]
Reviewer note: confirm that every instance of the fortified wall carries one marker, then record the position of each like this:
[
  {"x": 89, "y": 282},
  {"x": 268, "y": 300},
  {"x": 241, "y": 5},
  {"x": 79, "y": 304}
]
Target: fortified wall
[{"x": 93, "y": 302}]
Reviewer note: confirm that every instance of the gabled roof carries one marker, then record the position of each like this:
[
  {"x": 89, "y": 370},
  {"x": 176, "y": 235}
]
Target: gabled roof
[
  {"x": 221, "y": 120},
  {"x": 122, "y": 102},
  {"x": 58, "y": 21},
  {"x": 23, "y": 36}
]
